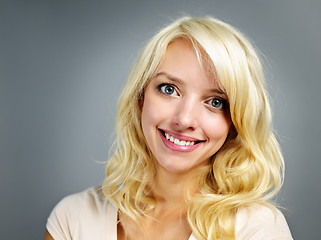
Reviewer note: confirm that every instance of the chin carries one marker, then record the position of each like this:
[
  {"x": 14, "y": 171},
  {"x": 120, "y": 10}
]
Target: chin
[{"x": 175, "y": 168}]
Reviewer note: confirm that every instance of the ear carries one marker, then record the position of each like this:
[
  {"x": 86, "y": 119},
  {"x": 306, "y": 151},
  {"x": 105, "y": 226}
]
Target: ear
[
  {"x": 141, "y": 99},
  {"x": 233, "y": 132}
]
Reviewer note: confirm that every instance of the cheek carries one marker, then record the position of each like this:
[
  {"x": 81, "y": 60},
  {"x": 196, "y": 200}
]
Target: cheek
[
  {"x": 152, "y": 111},
  {"x": 218, "y": 128},
  {"x": 148, "y": 110}
]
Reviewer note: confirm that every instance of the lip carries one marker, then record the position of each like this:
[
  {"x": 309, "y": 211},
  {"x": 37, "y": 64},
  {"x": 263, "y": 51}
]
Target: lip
[
  {"x": 179, "y": 148},
  {"x": 180, "y": 136}
]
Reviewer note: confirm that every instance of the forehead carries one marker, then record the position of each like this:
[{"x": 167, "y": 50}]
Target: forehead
[{"x": 185, "y": 60}]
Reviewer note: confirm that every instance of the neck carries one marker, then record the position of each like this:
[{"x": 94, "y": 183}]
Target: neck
[{"x": 171, "y": 190}]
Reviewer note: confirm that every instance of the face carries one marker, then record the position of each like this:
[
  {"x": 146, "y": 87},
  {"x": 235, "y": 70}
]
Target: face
[{"x": 185, "y": 117}]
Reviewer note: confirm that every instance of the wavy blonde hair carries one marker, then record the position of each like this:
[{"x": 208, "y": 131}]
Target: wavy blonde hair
[{"x": 247, "y": 169}]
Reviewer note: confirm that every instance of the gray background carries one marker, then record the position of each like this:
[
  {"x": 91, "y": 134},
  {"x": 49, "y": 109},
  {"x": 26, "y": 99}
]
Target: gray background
[{"x": 62, "y": 66}]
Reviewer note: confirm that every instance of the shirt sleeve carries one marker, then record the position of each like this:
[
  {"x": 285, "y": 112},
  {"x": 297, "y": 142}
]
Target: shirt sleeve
[
  {"x": 261, "y": 222},
  {"x": 63, "y": 218}
]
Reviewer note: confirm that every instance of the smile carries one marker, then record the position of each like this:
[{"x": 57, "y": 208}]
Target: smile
[{"x": 179, "y": 143}]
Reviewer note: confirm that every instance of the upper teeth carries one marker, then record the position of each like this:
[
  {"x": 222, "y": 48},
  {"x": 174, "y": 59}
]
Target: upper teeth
[{"x": 177, "y": 141}]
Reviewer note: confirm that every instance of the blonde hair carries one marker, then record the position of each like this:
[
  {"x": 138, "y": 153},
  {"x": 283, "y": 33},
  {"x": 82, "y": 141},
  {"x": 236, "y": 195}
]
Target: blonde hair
[{"x": 247, "y": 169}]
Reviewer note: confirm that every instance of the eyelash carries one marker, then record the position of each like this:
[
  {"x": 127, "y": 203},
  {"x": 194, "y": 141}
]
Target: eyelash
[
  {"x": 160, "y": 86},
  {"x": 224, "y": 102},
  {"x": 223, "y": 106}
]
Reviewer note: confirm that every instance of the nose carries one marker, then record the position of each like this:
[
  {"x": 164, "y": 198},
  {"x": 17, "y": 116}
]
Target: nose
[{"x": 186, "y": 115}]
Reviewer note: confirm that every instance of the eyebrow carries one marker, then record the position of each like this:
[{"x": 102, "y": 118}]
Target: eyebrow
[
  {"x": 170, "y": 77},
  {"x": 217, "y": 90},
  {"x": 175, "y": 79}
]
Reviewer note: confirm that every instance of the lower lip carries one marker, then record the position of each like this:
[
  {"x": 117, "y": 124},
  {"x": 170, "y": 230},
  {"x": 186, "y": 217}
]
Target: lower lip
[{"x": 176, "y": 147}]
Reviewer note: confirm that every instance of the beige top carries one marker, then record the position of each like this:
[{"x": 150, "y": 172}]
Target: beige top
[{"x": 88, "y": 215}]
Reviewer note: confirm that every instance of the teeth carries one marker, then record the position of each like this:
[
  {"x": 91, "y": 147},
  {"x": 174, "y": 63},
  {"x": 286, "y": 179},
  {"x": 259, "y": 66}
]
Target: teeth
[{"x": 177, "y": 141}]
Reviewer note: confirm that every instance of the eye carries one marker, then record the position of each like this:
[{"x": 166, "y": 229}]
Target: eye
[
  {"x": 168, "y": 89},
  {"x": 218, "y": 103}
]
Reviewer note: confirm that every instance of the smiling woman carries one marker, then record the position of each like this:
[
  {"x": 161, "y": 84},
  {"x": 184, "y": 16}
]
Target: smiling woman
[
  {"x": 195, "y": 156},
  {"x": 181, "y": 126}
]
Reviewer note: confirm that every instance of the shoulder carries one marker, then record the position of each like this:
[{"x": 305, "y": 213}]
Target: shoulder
[
  {"x": 73, "y": 205},
  {"x": 88, "y": 208},
  {"x": 261, "y": 222}
]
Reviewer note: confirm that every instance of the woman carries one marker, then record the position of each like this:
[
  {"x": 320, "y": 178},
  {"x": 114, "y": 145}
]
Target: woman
[{"x": 195, "y": 156}]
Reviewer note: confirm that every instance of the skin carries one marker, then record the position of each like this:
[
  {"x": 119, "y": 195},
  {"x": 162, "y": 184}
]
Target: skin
[
  {"x": 183, "y": 100},
  {"x": 184, "y": 111},
  {"x": 48, "y": 236}
]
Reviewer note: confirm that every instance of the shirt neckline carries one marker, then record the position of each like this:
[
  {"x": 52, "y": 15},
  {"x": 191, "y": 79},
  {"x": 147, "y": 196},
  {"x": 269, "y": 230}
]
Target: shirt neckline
[{"x": 111, "y": 225}]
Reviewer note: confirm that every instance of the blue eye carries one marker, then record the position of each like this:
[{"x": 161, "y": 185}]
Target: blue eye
[
  {"x": 218, "y": 103},
  {"x": 168, "y": 89}
]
